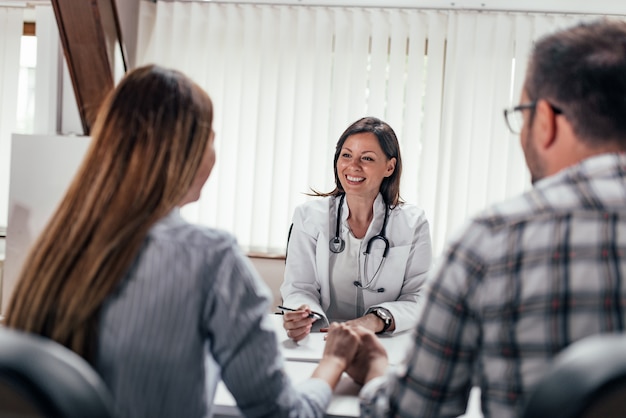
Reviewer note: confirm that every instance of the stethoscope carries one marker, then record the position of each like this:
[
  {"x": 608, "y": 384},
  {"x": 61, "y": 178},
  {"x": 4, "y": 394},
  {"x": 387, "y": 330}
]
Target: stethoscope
[{"x": 338, "y": 244}]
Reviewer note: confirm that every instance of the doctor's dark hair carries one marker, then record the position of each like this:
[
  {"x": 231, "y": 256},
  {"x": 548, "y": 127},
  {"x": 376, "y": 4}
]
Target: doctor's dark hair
[
  {"x": 147, "y": 145},
  {"x": 390, "y": 187},
  {"x": 582, "y": 71}
]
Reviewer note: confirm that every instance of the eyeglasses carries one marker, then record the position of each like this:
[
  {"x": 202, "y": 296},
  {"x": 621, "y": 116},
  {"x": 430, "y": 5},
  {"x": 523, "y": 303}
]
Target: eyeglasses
[{"x": 514, "y": 118}]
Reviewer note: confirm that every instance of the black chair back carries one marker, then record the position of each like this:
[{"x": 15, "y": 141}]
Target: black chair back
[
  {"x": 587, "y": 379},
  {"x": 40, "y": 378}
]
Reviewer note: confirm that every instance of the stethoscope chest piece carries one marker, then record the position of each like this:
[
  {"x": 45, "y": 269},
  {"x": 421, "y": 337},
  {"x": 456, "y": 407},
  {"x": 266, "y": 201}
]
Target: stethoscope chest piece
[{"x": 337, "y": 244}]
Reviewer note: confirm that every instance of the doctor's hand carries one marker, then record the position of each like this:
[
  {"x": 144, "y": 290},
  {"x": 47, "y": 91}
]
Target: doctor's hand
[
  {"x": 298, "y": 323},
  {"x": 371, "y": 322},
  {"x": 370, "y": 360}
]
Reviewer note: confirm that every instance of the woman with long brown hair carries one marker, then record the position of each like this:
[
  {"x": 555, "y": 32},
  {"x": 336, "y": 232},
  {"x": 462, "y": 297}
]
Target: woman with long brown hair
[{"x": 120, "y": 278}]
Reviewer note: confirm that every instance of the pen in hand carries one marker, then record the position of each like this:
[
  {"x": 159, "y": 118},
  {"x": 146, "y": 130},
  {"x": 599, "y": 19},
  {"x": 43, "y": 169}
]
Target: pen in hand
[{"x": 284, "y": 308}]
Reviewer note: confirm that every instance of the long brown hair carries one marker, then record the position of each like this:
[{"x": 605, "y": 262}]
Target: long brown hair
[
  {"x": 148, "y": 143},
  {"x": 390, "y": 187}
]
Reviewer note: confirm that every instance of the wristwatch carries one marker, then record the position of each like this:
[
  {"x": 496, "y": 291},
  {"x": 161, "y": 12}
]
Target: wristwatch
[{"x": 383, "y": 314}]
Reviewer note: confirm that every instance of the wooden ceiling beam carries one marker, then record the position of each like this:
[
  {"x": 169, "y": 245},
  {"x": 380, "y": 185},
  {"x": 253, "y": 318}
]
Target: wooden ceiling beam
[{"x": 90, "y": 34}]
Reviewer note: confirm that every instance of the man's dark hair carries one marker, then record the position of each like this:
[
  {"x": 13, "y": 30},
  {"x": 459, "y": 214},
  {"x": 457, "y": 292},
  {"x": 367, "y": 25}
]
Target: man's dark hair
[{"x": 582, "y": 71}]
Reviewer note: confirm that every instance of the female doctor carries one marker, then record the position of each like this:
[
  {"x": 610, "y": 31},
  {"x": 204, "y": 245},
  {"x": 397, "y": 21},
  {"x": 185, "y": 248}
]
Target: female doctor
[{"x": 359, "y": 254}]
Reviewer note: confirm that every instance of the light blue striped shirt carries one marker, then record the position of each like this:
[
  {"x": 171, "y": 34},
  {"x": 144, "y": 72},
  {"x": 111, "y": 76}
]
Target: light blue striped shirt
[{"x": 190, "y": 306}]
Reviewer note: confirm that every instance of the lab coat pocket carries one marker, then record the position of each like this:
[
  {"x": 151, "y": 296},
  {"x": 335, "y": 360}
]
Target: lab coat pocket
[{"x": 387, "y": 272}]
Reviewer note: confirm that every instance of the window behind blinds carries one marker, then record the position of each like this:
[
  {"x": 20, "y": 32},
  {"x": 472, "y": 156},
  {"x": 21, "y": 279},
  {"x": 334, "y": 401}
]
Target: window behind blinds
[{"x": 287, "y": 80}]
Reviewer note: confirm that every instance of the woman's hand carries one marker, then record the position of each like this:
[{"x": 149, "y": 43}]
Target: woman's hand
[
  {"x": 298, "y": 323},
  {"x": 370, "y": 360},
  {"x": 341, "y": 346}
]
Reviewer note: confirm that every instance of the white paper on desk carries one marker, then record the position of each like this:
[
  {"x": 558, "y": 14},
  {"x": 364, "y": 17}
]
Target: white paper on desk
[{"x": 310, "y": 348}]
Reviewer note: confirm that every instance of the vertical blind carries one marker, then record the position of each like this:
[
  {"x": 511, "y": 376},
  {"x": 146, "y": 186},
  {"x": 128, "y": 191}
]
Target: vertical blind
[
  {"x": 11, "y": 27},
  {"x": 287, "y": 80}
]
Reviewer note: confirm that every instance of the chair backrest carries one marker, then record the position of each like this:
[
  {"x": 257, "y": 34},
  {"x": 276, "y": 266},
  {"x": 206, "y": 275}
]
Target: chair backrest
[
  {"x": 40, "y": 378},
  {"x": 587, "y": 379}
]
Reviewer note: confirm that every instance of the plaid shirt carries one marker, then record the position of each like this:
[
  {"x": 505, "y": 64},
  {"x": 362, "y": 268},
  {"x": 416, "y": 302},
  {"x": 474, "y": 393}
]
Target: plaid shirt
[{"x": 522, "y": 281}]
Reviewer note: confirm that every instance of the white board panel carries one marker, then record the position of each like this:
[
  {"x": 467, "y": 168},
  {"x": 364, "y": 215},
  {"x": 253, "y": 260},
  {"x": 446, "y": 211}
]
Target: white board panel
[{"x": 42, "y": 167}]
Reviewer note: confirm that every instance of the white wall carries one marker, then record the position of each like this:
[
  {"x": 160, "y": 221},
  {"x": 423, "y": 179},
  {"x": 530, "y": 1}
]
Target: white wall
[
  {"x": 41, "y": 169},
  {"x": 272, "y": 271}
]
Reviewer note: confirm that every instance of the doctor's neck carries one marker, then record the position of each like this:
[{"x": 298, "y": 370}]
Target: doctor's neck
[{"x": 361, "y": 209}]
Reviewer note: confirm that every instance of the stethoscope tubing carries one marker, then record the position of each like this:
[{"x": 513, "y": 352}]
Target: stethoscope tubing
[{"x": 337, "y": 244}]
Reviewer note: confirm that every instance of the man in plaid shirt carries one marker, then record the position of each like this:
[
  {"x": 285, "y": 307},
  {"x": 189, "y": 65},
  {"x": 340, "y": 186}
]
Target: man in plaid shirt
[{"x": 531, "y": 275}]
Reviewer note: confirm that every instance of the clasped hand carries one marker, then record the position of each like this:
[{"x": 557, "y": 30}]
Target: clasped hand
[{"x": 368, "y": 361}]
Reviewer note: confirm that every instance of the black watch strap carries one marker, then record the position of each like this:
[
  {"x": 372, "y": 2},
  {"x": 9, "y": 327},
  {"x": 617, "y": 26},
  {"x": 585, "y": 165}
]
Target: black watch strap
[{"x": 385, "y": 316}]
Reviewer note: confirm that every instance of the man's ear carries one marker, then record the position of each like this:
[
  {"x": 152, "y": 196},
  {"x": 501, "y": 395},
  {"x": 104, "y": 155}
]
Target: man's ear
[{"x": 544, "y": 125}]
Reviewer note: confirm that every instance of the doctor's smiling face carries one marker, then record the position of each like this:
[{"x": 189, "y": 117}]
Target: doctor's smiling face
[
  {"x": 368, "y": 161},
  {"x": 362, "y": 165}
]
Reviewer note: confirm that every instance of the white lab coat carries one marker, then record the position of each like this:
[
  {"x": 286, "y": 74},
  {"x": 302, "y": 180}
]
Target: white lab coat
[{"x": 402, "y": 274}]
